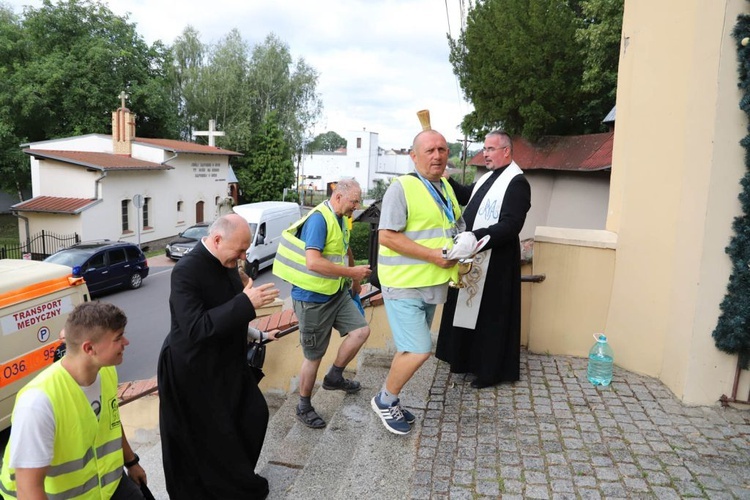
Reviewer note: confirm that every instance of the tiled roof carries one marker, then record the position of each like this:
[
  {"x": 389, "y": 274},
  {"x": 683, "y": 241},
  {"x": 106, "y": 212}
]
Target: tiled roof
[
  {"x": 585, "y": 153},
  {"x": 185, "y": 147},
  {"x": 98, "y": 161},
  {"x": 55, "y": 205}
]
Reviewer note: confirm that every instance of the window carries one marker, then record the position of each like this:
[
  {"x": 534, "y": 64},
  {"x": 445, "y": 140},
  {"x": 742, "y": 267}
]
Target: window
[
  {"x": 356, "y": 164},
  {"x": 132, "y": 253},
  {"x": 146, "y": 207},
  {"x": 180, "y": 215},
  {"x": 217, "y": 201},
  {"x": 124, "y": 212},
  {"x": 359, "y": 142},
  {"x": 117, "y": 256},
  {"x": 95, "y": 262}
]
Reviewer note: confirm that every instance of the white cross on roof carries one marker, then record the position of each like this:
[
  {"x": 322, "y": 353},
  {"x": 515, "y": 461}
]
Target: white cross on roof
[{"x": 212, "y": 133}]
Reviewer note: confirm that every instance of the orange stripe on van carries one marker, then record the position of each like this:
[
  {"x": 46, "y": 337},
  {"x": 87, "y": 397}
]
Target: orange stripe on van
[
  {"x": 38, "y": 290},
  {"x": 28, "y": 364}
]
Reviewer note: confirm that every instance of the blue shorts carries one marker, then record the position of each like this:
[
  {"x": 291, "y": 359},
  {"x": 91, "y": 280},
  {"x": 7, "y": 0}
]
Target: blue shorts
[{"x": 410, "y": 321}]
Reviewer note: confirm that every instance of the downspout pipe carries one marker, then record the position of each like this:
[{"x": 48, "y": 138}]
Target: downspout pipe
[
  {"x": 169, "y": 159},
  {"x": 97, "y": 182}
]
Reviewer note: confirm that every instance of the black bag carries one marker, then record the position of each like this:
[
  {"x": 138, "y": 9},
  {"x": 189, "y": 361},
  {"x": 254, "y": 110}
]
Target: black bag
[{"x": 256, "y": 354}]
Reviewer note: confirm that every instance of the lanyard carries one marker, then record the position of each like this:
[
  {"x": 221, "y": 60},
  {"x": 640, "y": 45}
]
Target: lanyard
[{"x": 443, "y": 201}]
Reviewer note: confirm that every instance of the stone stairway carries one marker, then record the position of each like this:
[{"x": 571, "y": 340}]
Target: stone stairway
[{"x": 354, "y": 455}]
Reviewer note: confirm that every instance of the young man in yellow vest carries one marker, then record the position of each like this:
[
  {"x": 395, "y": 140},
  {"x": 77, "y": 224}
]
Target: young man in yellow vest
[
  {"x": 314, "y": 256},
  {"x": 418, "y": 220},
  {"x": 66, "y": 440}
]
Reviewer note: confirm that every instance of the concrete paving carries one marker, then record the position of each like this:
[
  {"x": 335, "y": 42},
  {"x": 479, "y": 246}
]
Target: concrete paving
[{"x": 552, "y": 435}]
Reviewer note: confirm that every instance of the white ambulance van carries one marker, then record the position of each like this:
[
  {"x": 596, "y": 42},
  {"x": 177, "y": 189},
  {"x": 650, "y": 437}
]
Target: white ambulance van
[
  {"x": 267, "y": 219},
  {"x": 35, "y": 300}
]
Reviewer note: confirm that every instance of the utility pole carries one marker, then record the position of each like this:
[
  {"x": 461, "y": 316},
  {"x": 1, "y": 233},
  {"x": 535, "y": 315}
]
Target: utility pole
[{"x": 463, "y": 160}]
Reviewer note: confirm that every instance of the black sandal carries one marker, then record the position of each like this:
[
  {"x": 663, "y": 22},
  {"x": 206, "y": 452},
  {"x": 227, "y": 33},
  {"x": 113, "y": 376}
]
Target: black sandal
[{"x": 311, "y": 418}]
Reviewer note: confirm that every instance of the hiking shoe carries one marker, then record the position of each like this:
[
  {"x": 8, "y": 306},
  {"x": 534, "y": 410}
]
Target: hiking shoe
[
  {"x": 346, "y": 385},
  {"x": 391, "y": 416}
]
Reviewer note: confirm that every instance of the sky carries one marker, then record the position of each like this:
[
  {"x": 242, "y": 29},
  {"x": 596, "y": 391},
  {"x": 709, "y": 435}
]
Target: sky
[{"x": 379, "y": 61}]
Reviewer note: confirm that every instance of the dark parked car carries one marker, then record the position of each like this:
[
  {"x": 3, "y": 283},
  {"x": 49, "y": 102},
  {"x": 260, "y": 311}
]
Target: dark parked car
[
  {"x": 186, "y": 240},
  {"x": 104, "y": 264}
]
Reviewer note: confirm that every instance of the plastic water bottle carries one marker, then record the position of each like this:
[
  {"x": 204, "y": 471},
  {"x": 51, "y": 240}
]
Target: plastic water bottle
[{"x": 601, "y": 361}]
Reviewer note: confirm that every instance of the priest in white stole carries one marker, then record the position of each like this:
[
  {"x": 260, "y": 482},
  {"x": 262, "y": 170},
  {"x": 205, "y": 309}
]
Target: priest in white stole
[{"x": 480, "y": 330}]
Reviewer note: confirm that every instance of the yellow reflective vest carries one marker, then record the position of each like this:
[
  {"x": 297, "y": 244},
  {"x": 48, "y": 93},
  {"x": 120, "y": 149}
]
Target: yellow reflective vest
[
  {"x": 87, "y": 460},
  {"x": 290, "y": 263},
  {"x": 427, "y": 225}
]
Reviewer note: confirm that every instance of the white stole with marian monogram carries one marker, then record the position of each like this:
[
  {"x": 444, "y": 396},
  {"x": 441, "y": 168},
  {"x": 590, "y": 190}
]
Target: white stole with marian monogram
[{"x": 470, "y": 297}]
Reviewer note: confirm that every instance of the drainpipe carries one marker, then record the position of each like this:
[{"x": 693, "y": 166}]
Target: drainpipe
[
  {"x": 96, "y": 184},
  {"x": 168, "y": 159}
]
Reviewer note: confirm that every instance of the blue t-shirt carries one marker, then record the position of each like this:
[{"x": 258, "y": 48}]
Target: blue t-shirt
[{"x": 314, "y": 233}]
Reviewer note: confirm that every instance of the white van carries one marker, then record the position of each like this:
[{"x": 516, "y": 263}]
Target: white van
[
  {"x": 267, "y": 219},
  {"x": 35, "y": 300}
]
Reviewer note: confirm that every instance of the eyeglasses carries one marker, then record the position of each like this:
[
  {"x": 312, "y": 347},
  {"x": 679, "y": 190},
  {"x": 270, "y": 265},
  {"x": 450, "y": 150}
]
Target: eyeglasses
[{"x": 492, "y": 150}]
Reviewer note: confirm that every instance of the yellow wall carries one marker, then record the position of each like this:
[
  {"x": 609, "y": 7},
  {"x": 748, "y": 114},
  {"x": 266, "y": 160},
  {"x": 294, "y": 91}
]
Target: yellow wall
[
  {"x": 570, "y": 305},
  {"x": 676, "y": 167},
  {"x": 284, "y": 357}
]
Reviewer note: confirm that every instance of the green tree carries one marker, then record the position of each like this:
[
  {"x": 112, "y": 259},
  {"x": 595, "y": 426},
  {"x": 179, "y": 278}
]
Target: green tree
[
  {"x": 278, "y": 83},
  {"x": 267, "y": 167},
  {"x": 62, "y": 68},
  {"x": 14, "y": 171},
  {"x": 329, "y": 141},
  {"x": 521, "y": 64},
  {"x": 379, "y": 190},
  {"x": 238, "y": 86},
  {"x": 599, "y": 34}
]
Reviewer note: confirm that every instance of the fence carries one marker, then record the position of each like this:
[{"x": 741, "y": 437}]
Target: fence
[{"x": 39, "y": 246}]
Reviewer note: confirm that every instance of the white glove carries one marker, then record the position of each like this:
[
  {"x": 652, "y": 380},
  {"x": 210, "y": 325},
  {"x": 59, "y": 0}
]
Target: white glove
[{"x": 464, "y": 245}]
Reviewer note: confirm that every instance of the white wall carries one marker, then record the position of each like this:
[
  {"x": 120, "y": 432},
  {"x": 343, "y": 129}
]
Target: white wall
[
  {"x": 331, "y": 167},
  {"x": 89, "y": 142},
  {"x": 194, "y": 178}
]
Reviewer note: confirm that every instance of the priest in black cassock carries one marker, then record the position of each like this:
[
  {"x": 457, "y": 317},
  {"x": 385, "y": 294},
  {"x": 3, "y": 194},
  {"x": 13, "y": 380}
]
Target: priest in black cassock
[
  {"x": 480, "y": 330},
  {"x": 212, "y": 415}
]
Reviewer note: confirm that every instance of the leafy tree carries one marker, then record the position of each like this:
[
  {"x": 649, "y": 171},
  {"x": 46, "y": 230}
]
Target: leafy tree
[
  {"x": 267, "y": 167},
  {"x": 600, "y": 35},
  {"x": 188, "y": 63},
  {"x": 329, "y": 141},
  {"x": 379, "y": 190},
  {"x": 238, "y": 86},
  {"x": 277, "y": 83},
  {"x": 62, "y": 68},
  {"x": 522, "y": 62},
  {"x": 456, "y": 149}
]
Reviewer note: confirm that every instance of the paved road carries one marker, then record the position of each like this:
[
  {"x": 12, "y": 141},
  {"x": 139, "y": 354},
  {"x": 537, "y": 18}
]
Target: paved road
[{"x": 148, "y": 317}]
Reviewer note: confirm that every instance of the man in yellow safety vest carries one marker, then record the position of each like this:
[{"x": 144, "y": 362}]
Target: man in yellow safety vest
[
  {"x": 314, "y": 256},
  {"x": 66, "y": 440},
  {"x": 419, "y": 219}
]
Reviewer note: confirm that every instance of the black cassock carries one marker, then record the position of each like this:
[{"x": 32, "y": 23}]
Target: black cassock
[
  {"x": 492, "y": 350},
  {"x": 212, "y": 414}
]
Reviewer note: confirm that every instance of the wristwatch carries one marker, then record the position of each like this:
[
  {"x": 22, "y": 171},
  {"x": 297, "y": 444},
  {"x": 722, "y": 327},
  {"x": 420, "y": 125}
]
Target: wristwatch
[{"x": 133, "y": 462}]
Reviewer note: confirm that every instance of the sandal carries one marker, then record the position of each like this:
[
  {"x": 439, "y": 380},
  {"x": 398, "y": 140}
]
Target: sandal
[
  {"x": 311, "y": 418},
  {"x": 346, "y": 385}
]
